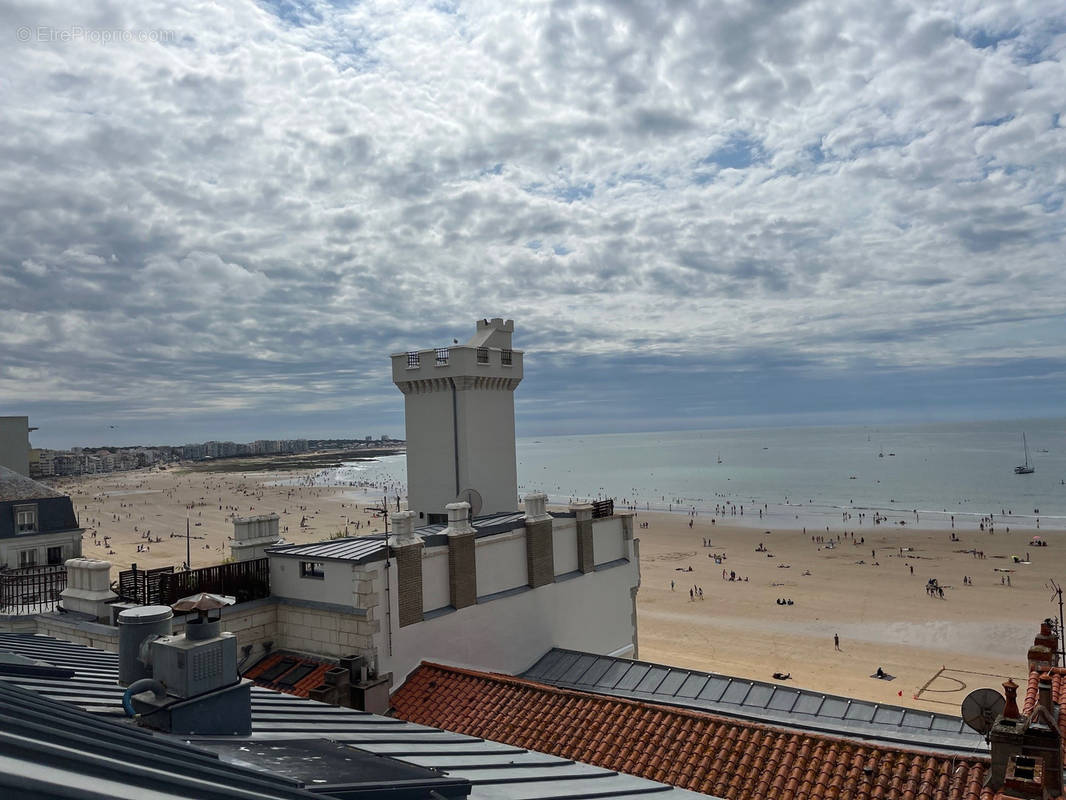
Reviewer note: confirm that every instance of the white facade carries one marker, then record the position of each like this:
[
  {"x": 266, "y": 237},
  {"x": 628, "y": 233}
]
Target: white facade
[
  {"x": 40, "y": 549},
  {"x": 459, "y": 410},
  {"x": 341, "y": 607},
  {"x": 15, "y": 444}
]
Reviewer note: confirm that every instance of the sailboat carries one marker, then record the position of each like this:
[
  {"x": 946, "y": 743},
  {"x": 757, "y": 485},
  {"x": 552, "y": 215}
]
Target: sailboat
[{"x": 1026, "y": 468}]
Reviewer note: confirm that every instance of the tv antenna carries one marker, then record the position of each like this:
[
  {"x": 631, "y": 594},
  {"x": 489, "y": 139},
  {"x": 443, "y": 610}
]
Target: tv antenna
[{"x": 1057, "y": 590}]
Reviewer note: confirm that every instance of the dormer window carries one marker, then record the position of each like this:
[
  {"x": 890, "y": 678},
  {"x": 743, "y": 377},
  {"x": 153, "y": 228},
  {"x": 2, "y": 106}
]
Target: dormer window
[{"x": 26, "y": 519}]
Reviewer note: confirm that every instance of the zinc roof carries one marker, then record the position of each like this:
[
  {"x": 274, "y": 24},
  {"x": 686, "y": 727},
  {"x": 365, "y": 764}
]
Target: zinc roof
[
  {"x": 498, "y": 771},
  {"x": 759, "y": 701},
  {"x": 352, "y": 548}
]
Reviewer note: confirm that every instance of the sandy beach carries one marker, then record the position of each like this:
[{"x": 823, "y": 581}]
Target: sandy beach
[{"x": 868, "y": 587}]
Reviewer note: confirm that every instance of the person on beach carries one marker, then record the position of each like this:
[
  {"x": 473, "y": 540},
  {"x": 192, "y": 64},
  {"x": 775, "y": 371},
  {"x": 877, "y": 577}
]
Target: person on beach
[{"x": 836, "y": 641}]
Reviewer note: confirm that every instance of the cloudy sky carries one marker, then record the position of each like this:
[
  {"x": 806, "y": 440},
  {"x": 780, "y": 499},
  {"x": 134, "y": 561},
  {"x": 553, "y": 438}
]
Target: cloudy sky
[{"x": 217, "y": 220}]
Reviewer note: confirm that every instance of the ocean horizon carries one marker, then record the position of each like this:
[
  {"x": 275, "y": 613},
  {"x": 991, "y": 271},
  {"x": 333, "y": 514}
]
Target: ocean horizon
[{"x": 916, "y": 474}]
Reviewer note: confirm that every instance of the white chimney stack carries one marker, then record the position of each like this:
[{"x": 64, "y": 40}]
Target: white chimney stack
[
  {"x": 458, "y": 518},
  {"x": 536, "y": 507}
]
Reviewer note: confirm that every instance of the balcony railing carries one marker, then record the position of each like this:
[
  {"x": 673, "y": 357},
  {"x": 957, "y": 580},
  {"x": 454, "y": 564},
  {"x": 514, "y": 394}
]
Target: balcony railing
[
  {"x": 442, "y": 356},
  {"x": 602, "y": 508},
  {"x": 413, "y": 359}
]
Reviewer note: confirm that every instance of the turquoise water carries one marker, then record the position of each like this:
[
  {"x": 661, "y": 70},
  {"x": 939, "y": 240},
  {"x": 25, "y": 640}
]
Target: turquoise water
[
  {"x": 803, "y": 476},
  {"x": 961, "y": 469}
]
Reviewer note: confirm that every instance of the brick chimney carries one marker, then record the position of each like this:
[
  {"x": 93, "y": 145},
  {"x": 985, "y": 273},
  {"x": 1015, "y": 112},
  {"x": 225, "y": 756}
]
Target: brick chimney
[
  {"x": 408, "y": 550},
  {"x": 1044, "y": 654},
  {"x": 540, "y": 553},
  {"x": 1027, "y": 751},
  {"x": 1005, "y": 737},
  {"x": 1041, "y": 739},
  {"x": 462, "y": 560}
]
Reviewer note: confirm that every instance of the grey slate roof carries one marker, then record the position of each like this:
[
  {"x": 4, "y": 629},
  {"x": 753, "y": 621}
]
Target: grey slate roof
[
  {"x": 15, "y": 486},
  {"x": 769, "y": 703},
  {"x": 497, "y": 771},
  {"x": 486, "y": 525}
]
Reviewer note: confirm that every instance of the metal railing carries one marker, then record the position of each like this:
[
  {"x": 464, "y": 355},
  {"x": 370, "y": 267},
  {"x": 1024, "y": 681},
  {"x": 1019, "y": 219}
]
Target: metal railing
[
  {"x": 244, "y": 580},
  {"x": 442, "y": 356},
  {"x": 30, "y": 590},
  {"x": 483, "y": 355},
  {"x": 413, "y": 359},
  {"x": 505, "y": 357}
]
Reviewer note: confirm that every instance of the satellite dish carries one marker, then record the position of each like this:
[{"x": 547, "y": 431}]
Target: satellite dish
[
  {"x": 981, "y": 708},
  {"x": 473, "y": 497}
]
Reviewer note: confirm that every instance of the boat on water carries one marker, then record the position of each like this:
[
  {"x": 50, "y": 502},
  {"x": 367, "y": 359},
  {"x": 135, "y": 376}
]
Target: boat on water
[{"x": 1027, "y": 468}]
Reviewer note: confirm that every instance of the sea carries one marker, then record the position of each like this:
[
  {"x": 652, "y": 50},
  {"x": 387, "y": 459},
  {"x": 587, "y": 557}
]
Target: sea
[{"x": 935, "y": 475}]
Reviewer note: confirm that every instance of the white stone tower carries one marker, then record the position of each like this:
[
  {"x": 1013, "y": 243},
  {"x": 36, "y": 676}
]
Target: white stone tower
[{"x": 459, "y": 407}]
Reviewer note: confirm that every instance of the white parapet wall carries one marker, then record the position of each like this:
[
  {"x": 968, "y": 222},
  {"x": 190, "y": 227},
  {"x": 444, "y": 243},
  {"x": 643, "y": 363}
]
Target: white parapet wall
[
  {"x": 512, "y": 625},
  {"x": 501, "y": 562},
  {"x": 564, "y": 545},
  {"x": 436, "y": 593}
]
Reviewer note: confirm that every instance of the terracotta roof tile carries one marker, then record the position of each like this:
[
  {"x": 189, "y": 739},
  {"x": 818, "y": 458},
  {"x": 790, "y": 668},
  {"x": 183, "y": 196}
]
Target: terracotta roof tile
[
  {"x": 690, "y": 749},
  {"x": 302, "y": 687}
]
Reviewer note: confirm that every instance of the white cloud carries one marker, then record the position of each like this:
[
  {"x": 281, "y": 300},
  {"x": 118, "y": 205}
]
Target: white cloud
[{"x": 320, "y": 187}]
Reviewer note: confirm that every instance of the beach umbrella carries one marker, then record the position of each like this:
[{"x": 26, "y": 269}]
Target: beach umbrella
[{"x": 203, "y": 602}]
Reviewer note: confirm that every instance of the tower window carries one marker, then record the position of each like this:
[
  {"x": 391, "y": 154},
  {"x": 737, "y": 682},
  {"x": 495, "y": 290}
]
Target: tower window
[
  {"x": 413, "y": 359},
  {"x": 483, "y": 355},
  {"x": 442, "y": 356},
  {"x": 505, "y": 358}
]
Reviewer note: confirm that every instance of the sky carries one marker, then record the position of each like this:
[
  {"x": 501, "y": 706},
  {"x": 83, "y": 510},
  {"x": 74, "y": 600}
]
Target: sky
[{"x": 217, "y": 220}]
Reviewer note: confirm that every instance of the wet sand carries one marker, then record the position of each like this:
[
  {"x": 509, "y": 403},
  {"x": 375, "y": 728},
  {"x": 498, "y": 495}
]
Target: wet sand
[{"x": 863, "y": 591}]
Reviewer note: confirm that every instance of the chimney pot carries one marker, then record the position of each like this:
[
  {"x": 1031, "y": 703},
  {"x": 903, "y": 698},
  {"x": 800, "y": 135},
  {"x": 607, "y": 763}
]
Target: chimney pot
[{"x": 1010, "y": 691}]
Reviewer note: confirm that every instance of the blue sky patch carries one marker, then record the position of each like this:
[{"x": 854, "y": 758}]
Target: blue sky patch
[{"x": 740, "y": 152}]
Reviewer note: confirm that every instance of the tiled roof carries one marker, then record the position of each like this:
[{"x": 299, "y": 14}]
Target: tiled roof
[
  {"x": 288, "y": 673},
  {"x": 758, "y": 701},
  {"x": 689, "y": 749},
  {"x": 1058, "y": 694}
]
